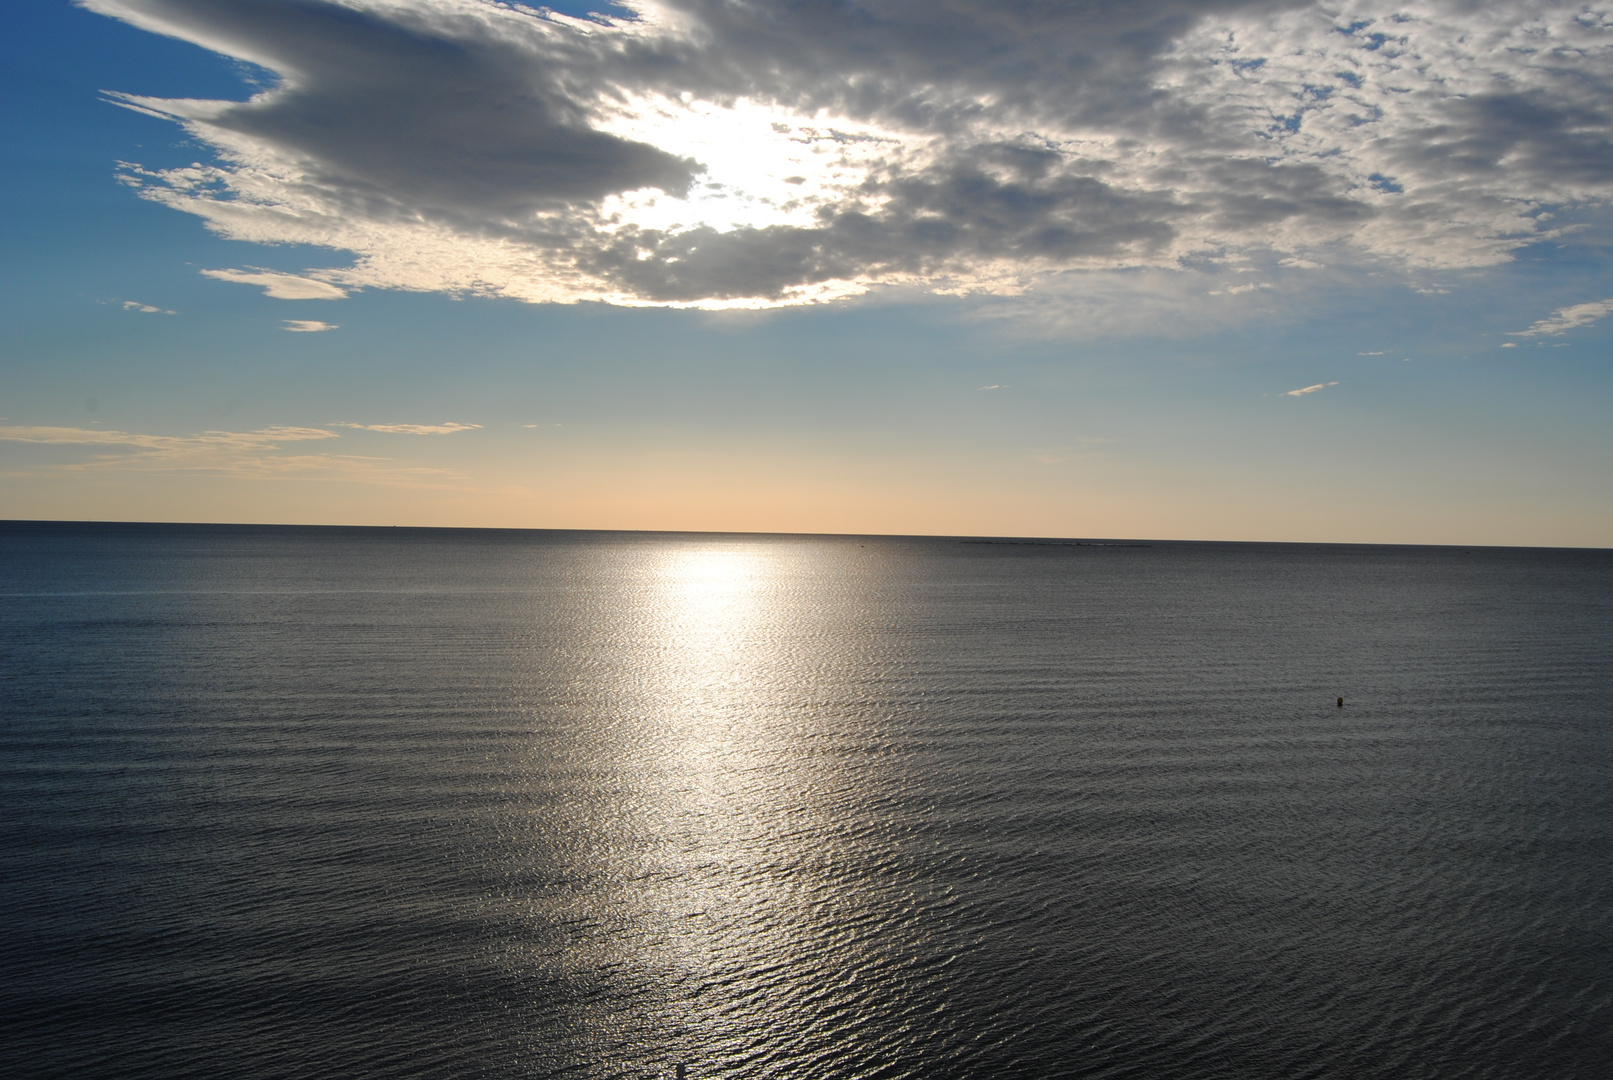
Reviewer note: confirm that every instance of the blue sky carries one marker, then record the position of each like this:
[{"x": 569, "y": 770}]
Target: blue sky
[{"x": 972, "y": 269}]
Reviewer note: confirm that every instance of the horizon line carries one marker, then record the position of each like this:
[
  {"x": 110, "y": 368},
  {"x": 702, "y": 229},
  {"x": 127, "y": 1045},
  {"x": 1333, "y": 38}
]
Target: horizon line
[{"x": 7, "y": 524}]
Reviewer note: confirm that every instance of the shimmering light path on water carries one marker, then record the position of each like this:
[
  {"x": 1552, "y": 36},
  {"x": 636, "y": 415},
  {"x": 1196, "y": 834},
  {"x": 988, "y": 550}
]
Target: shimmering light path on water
[{"x": 394, "y": 803}]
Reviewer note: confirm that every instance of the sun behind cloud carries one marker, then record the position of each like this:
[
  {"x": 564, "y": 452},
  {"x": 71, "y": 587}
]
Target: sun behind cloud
[{"x": 689, "y": 154}]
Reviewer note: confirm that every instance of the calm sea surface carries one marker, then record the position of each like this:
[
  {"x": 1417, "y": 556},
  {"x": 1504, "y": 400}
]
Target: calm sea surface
[{"x": 295, "y": 802}]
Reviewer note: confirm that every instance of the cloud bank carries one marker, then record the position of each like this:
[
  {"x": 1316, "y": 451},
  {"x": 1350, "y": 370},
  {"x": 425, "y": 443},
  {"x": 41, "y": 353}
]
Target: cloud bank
[{"x": 714, "y": 153}]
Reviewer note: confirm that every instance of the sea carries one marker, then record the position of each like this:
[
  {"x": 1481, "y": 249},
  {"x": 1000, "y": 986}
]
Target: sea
[{"x": 355, "y": 802}]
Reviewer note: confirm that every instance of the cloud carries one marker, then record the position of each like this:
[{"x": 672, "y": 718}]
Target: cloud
[
  {"x": 263, "y": 438},
  {"x": 308, "y": 326},
  {"x": 245, "y": 454},
  {"x": 1379, "y": 352},
  {"x": 413, "y": 429},
  {"x": 713, "y": 154},
  {"x": 147, "y": 309},
  {"x": 281, "y": 286},
  {"x": 209, "y": 450},
  {"x": 993, "y": 386},
  {"x": 1302, "y": 391},
  {"x": 1569, "y": 318}
]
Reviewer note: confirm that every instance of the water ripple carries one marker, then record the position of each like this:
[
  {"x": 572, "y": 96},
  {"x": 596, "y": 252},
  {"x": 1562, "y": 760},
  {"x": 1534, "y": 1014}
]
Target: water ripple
[{"x": 398, "y": 803}]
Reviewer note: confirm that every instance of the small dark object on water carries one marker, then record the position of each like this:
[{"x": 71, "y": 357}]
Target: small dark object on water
[
  {"x": 683, "y": 1070},
  {"x": 1341, "y": 703}
]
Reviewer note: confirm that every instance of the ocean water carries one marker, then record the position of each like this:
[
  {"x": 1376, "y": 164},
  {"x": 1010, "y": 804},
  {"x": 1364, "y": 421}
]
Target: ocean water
[{"x": 296, "y": 802}]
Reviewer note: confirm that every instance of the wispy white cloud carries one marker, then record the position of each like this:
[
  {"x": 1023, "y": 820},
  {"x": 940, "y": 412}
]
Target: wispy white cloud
[
  {"x": 1569, "y": 318},
  {"x": 413, "y": 429},
  {"x": 245, "y": 454},
  {"x": 308, "y": 326},
  {"x": 261, "y": 439},
  {"x": 146, "y": 309},
  {"x": 993, "y": 386},
  {"x": 281, "y": 286},
  {"x": 705, "y": 153},
  {"x": 1302, "y": 391},
  {"x": 228, "y": 451},
  {"x": 1378, "y": 352}
]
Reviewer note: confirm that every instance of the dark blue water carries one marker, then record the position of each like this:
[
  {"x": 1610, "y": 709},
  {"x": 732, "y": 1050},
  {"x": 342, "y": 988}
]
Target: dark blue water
[{"x": 411, "y": 803}]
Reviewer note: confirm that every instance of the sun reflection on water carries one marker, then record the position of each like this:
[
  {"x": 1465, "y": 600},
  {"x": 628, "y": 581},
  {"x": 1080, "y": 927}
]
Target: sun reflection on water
[
  {"x": 709, "y": 796},
  {"x": 690, "y": 727},
  {"x": 741, "y": 828}
]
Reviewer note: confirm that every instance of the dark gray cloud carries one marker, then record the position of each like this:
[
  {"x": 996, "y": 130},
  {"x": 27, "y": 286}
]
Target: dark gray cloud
[
  {"x": 935, "y": 65},
  {"x": 720, "y": 152},
  {"x": 1505, "y": 135},
  {"x": 938, "y": 222},
  {"x": 405, "y": 114}
]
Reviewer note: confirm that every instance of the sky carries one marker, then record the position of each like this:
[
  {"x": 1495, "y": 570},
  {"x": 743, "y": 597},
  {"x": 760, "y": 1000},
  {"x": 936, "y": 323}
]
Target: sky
[{"x": 1242, "y": 269}]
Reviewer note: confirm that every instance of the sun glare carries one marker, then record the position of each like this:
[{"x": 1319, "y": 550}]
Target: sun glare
[{"x": 763, "y": 166}]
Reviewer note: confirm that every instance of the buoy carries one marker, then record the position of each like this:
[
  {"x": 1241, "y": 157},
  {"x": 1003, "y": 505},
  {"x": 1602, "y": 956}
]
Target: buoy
[{"x": 1341, "y": 703}]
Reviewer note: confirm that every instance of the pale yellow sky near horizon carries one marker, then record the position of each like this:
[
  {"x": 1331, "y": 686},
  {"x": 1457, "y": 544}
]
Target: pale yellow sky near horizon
[{"x": 785, "y": 489}]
